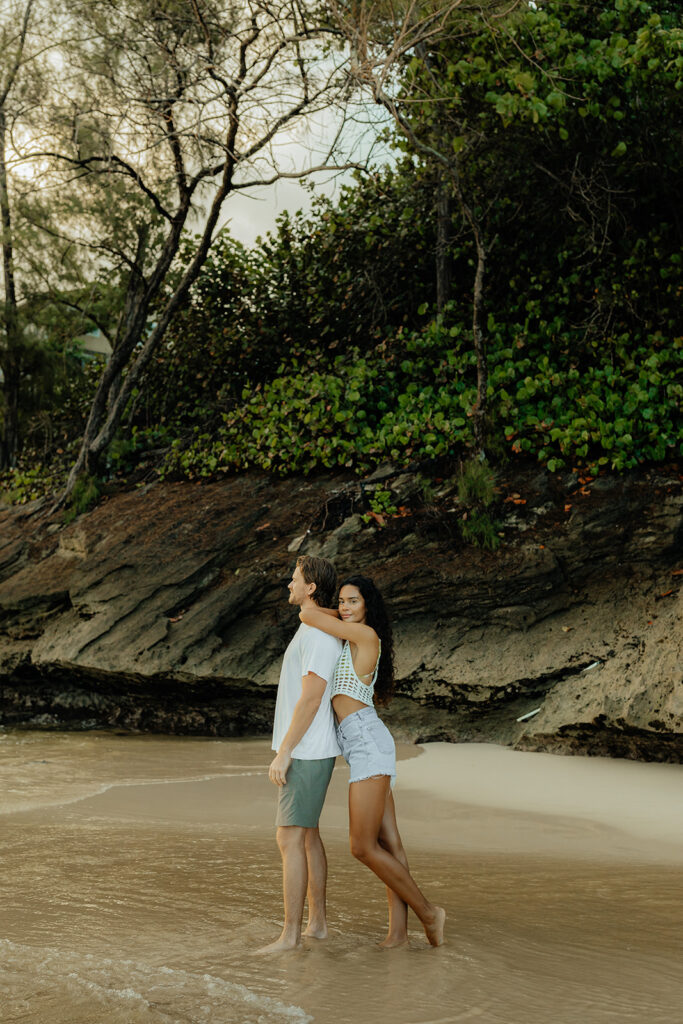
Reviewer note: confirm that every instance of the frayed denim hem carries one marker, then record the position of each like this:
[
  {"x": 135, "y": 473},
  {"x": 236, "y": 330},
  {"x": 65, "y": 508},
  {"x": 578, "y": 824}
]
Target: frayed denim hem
[{"x": 376, "y": 775}]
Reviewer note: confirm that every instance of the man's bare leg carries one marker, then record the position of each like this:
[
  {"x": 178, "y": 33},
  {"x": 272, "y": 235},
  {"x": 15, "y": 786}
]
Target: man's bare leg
[
  {"x": 317, "y": 885},
  {"x": 292, "y": 842},
  {"x": 390, "y": 839}
]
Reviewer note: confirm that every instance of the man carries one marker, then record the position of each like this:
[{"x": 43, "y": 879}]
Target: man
[{"x": 306, "y": 743}]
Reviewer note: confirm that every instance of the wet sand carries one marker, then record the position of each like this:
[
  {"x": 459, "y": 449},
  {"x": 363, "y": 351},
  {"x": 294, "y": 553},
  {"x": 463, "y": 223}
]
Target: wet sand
[{"x": 140, "y": 872}]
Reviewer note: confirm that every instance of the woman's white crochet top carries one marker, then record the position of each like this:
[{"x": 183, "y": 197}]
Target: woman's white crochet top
[{"x": 347, "y": 682}]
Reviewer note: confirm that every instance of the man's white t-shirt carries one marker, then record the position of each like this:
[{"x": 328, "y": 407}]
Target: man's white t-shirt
[{"x": 310, "y": 650}]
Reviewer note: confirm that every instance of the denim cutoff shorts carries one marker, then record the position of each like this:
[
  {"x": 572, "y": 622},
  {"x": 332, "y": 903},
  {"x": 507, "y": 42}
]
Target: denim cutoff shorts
[{"x": 367, "y": 745}]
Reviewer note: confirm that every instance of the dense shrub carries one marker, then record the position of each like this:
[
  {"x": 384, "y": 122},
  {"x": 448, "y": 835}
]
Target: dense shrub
[
  {"x": 321, "y": 346},
  {"x": 574, "y": 169},
  {"x": 418, "y": 406},
  {"x": 343, "y": 276}
]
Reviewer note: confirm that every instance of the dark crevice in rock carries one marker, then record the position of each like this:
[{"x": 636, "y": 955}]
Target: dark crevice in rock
[
  {"x": 602, "y": 739},
  {"x": 488, "y": 699},
  {"x": 13, "y": 555},
  {"x": 336, "y": 509},
  {"x": 28, "y": 619},
  {"x": 62, "y": 698}
]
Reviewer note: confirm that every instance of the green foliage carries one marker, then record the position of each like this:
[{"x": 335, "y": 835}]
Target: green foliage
[
  {"x": 476, "y": 483},
  {"x": 54, "y": 381},
  {"x": 86, "y": 493},
  {"x": 320, "y": 347},
  {"x": 365, "y": 410},
  {"x": 340, "y": 277},
  {"x": 381, "y": 504},
  {"x": 130, "y": 452},
  {"x": 476, "y": 490},
  {"x": 52, "y": 427},
  {"x": 21, "y": 486},
  {"x": 478, "y": 528},
  {"x": 426, "y": 489},
  {"x": 583, "y": 288}
]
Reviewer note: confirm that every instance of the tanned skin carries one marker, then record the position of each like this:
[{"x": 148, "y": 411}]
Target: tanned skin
[{"x": 373, "y": 833}]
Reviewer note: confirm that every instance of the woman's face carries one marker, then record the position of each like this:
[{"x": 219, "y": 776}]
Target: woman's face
[{"x": 351, "y": 604}]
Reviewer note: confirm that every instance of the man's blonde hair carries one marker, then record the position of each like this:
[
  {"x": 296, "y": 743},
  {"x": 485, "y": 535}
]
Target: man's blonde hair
[{"x": 321, "y": 572}]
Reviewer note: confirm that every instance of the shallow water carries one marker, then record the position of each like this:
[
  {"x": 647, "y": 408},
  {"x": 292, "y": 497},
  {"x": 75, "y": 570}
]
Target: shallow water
[{"x": 139, "y": 874}]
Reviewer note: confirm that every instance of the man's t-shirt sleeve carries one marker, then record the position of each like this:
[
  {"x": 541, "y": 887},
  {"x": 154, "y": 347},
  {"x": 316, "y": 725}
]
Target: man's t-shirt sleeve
[{"x": 320, "y": 654}]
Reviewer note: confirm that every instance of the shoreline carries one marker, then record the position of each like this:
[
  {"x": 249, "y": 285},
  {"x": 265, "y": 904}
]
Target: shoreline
[{"x": 451, "y": 798}]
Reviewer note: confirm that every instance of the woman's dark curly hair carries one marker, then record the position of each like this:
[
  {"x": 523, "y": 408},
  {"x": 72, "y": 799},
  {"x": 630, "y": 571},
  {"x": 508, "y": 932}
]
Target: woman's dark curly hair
[{"x": 376, "y": 617}]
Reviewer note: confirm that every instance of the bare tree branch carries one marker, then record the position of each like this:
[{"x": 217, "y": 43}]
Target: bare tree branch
[{"x": 198, "y": 98}]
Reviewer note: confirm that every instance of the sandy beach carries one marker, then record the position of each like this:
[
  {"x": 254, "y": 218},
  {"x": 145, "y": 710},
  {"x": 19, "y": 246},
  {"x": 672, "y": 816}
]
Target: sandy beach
[
  {"x": 520, "y": 802},
  {"x": 139, "y": 873}
]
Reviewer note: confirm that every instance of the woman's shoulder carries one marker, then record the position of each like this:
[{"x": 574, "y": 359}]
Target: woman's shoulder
[{"x": 369, "y": 635}]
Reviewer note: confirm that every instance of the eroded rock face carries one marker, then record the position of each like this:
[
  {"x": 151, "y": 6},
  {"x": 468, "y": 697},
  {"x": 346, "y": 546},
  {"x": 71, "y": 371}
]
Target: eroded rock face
[{"x": 166, "y": 610}]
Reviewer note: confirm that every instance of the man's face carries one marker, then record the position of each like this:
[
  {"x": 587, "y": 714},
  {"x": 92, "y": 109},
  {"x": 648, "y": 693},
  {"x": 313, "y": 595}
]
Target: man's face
[{"x": 299, "y": 590}]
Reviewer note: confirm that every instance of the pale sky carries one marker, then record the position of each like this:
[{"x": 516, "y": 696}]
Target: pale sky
[{"x": 254, "y": 211}]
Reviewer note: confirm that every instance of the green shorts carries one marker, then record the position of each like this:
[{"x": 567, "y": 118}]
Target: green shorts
[{"x": 301, "y": 799}]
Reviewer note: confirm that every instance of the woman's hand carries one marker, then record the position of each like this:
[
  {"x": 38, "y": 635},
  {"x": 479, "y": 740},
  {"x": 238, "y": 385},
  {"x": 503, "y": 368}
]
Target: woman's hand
[{"x": 334, "y": 612}]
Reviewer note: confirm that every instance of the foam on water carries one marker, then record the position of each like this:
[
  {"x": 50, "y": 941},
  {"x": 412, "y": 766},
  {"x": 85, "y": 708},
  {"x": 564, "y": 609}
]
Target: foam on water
[
  {"x": 80, "y": 767},
  {"x": 54, "y": 986},
  {"x": 14, "y": 801}
]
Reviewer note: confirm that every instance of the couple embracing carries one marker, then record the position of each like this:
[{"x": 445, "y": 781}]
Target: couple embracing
[{"x": 338, "y": 664}]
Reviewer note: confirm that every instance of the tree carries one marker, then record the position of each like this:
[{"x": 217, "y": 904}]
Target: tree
[
  {"x": 578, "y": 117},
  {"x": 164, "y": 109},
  {"x": 343, "y": 276},
  {"x": 398, "y": 52},
  {"x": 490, "y": 93},
  {"x": 14, "y": 27},
  {"x": 43, "y": 283}
]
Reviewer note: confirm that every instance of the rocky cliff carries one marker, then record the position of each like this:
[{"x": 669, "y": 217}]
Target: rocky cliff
[{"x": 164, "y": 609}]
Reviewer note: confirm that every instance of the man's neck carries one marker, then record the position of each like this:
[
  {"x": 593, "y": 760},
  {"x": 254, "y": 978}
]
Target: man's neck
[{"x": 307, "y": 604}]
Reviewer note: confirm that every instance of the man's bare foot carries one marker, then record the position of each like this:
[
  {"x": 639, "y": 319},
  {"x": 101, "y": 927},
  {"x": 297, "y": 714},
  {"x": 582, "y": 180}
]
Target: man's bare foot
[
  {"x": 393, "y": 941},
  {"x": 434, "y": 930},
  {"x": 281, "y": 945},
  {"x": 316, "y": 931}
]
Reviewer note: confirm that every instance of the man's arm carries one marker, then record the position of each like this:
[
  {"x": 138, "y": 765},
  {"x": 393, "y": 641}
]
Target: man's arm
[{"x": 305, "y": 710}]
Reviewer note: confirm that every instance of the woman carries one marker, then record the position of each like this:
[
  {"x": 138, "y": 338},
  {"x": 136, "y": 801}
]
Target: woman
[{"x": 365, "y": 671}]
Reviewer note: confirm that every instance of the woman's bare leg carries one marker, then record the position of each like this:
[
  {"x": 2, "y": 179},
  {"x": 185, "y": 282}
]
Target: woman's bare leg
[
  {"x": 390, "y": 839},
  {"x": 367, "y": 804}
]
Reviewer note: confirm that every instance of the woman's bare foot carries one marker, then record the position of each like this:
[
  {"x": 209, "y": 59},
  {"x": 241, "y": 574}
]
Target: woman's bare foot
[
  {"x": 316, "y": 931},
  {"x": 393, "y": 941},
  {"x": 281, "y": 945},
  {"x": 434, "y": 930}
]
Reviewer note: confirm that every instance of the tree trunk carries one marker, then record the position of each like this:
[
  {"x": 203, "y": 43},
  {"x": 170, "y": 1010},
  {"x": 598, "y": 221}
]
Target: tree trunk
[
  {"x": 108, "y": 388},
  {"x": 479, "y": 413},
  {"x": 443, "y": 239},
  {"x": 136, "y": 369},
  {"x": 481, "y": 408},
  {"x": 9, "y": 443},
  {"x": 131, "y": 326},
  {"x": 114, "y": 390}
]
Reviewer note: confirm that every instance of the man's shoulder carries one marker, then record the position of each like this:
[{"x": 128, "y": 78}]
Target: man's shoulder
[{"x": 319, "y": 636}]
